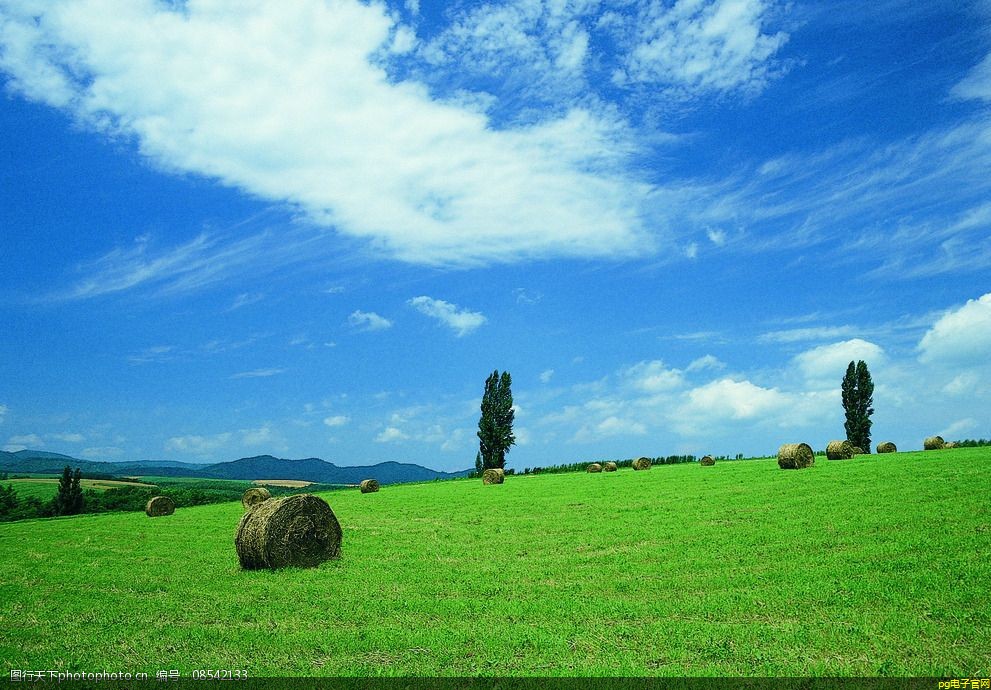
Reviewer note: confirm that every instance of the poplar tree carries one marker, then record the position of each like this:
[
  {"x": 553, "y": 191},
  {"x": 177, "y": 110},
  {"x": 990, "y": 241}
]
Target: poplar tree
[
  {"x": 858, "y": 398},
  {"x": 495, "y": 427}
]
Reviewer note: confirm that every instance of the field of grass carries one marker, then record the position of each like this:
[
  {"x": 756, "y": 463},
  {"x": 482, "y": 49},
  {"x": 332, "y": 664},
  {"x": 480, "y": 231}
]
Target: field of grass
[
  {"x": 878, "y": 565},
  {"x": 46, "y": 488}
]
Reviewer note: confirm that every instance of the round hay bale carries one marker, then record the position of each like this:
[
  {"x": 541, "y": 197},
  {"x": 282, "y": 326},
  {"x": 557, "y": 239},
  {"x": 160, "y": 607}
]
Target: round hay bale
[
  {"x": 609, "y": 467},
  {"x": 839, "y": 450},
  {"x": 934, "y": 443},
  {"x": 254, "y": 496},
  {"x": 369, "y": 486},
  {"x": 159, "y": 506},
  {"x": 594, "y": 467},
  {"x": 950, "y": 444},
  {"x": 300, "y": 531},
  {"x": 641, "y": 464},
  {"x": 493, "y": 475},
  {"x": 795, "y": 456},
  {"x": 887, "y": 447},
  {"x": 857, "y": 450},
  {"x": 707, "y": 461}
]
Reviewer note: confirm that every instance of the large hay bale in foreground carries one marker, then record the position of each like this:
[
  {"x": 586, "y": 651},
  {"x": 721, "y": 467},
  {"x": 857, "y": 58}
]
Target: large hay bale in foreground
[
  {"x": 300, "y": 531},
  {"x": 594, "y": 467},
  {"x": 254, "y": 496},
  {"x": 795, "y": 456},
  {"x": 707, "y": 461},
  {"x": 159, "y": 506},
  {"x": 609, "y": 467},
  {"x": 934, "y": 443},
  {"x": 887, "y": 447},
  {"x": 493, "y": 475},
  {"x": 369, "y": 486},
  {"x": 641, "y": 464},
  {"x": 839, "y": 450}
]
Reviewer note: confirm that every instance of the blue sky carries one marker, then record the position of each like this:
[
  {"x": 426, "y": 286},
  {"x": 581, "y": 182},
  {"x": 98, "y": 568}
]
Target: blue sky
[{"x": 313, "y": 228}]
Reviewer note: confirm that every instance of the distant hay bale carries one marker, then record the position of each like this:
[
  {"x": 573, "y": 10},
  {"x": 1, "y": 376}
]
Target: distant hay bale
[
  {"x": 609, "y": 467},
  {"x": 641, "y": 464},
  {"x": 795, "y": 456},
  {"x": 369, "y": 486},
  {"x": 857, "y": 450},
  {"x": 159, "y": 506},
  {"x": 300, "y": 531},
  {"x": 594, "y": 467},
  {"x": 887, "y": 447},
  {"x": 707, "y": 461},
  {"x": 253, "y": 497},
  {"x": 950, "y": 444},
  {"x": 839, "y": 450},
  {"x": 493, "y": 475},
  {"x": 934, "y": 443}
]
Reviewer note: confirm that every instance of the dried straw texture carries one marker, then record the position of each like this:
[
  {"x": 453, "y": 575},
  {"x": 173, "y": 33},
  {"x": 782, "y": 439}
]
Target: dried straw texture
[
  {"x": 887, "y": 447},
  {"x": 795, "y": 456},
  {"x": 839, "y": 450},
  {"x": 950, "y": 444},
  {"x": 707, "y": 461},
  {"x": 857, "y": 450},
  {"x": 300, "y": 531},
  {"x": 609, "y": 467},
  {"x": 641, "y": 464},
  {"x": 493, "y": 475},
  {"x": 594, "y": 467},
  {"x": 369, "y": 486},
  {"x": 159, "y": 506},
  {"x": 253, "y": 497},
  {"x": 934, "y": 443}
]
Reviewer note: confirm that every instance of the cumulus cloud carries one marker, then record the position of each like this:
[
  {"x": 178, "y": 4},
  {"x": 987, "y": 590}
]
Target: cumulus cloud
[
  {"x": 198, "y": 445},
  {"x": 390, "y": 434},
  {"x": 653, "y": 376},
  {"x": 827, "y": 364},
  {"x": 336, "y": 420},
  {"x": 461, "y": 321},
  {"x": 961, "y": 336},
  {"x": 705, "y": 362},
  {"x": 292, "y": 102},
  {"x": 23, "y": 442},
  {"x": 368, "y": 321}
]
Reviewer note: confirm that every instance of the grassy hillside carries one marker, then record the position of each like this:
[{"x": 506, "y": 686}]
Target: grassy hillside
[
  {"x": 872, "y": 566},
  {"x": 46, "y": 488}
]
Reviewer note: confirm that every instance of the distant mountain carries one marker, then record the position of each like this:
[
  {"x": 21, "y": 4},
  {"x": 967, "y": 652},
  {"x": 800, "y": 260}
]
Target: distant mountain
[
  {"x": 317, "y": 470},
  {"x": 258, "y": 467}
]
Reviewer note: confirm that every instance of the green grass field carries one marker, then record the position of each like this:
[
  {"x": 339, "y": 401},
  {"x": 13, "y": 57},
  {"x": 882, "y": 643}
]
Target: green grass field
[{"x": 880, "y": 565}]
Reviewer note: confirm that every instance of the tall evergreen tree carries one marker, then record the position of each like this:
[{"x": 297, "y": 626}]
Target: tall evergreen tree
[
  {"x": 858, "y": 398},
  {"x": 495, "y": 426},
  {"x": 69, "y": 499}
]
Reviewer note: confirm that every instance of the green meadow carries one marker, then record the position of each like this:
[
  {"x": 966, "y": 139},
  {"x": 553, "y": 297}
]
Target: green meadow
[
  {"x": 875, "y": 566},
  {"x": 45, "y": 487}
]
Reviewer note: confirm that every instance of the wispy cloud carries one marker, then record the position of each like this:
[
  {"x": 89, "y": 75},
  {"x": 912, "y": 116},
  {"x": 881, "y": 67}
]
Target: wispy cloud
[
  {"x": 793, "y": 335},
  {"x": 336, "y": 420},
  {"x": 23, "y": 442},
  {"x": 368, "y": 321},
  {"x": 258, "y": 373},
  {"x": 461, "y": 321}
]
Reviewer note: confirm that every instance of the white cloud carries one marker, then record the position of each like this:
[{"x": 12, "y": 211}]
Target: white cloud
[
  {"x": 692, "y": 47},
  {"x": 461, "y": 321},
  {"x": 23, "y": 442},
  {"x": 977, "y": 84},
  {"x": 959, "y": 427},
  {"x": 826, "y": 364},
  {"x": 368, "y": 321},
  {"x": 257, "y": 373},
  {"x": 653, "y": 377},
  {"x": 692, "y": 250},
  {"x": 705, "y": 362},
  {"x": 69, "y": 437},
  {"x": 961, "y": 336},
  {"x": 546, "y": 375},
  {"x": 716, "y": 236},
  {"x": 390, "y": 434},
  {"x": 198, "y": 445},
  {"x": 262, "y": 436},
  {"x": 290, "y": 102},
  {"x": 793, "y": 335},
  {"x": 336, "y": 420},
  {"x": 245, "y": 299},
  {"x": 102, "y": 452},
  {"x": 609, "y": 427}
]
